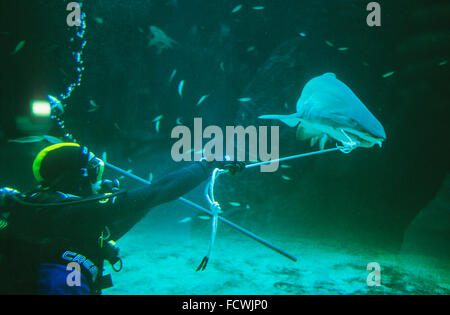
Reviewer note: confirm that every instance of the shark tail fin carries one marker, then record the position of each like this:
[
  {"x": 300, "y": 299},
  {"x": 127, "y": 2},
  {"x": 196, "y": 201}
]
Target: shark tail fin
[{"x": 290, "y": 120}]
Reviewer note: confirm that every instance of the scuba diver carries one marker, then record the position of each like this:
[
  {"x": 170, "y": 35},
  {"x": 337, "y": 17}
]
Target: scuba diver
[{"x": 72, "y": 218}]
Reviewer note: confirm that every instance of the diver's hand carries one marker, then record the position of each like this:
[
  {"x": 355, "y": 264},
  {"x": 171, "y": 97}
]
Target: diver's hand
[
  {"x": 6, "y": 194},
  {"x": 109, "y": 186},
  {"x": 232, "y": 167}
]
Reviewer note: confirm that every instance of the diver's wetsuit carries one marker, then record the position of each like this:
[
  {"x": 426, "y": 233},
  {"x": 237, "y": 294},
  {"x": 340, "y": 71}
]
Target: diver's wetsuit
[{"x": 37, "y": 238}]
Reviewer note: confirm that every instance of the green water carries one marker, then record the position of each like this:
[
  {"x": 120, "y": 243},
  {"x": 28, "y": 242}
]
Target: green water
[{"x": 336, "y": 213}]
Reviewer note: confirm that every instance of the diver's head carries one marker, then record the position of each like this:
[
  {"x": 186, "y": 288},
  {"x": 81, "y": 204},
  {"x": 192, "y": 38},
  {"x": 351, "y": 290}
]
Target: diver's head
[{"x": 69, "y": 168}]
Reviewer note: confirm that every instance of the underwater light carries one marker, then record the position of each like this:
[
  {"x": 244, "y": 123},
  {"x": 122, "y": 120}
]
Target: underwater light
[{"x": 40, "y": 108}]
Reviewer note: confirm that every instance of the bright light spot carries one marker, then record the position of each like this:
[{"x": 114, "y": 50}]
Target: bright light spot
[{"x": 40, "y": 108}]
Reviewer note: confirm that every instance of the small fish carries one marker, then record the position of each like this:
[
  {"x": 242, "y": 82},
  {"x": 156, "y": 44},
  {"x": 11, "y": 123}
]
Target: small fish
[
  {"x": 150, "y": 177},
  {"x": 178, "y": 121},
  {"x": 117, "y": 127},
  {"x": 258, "y": 8},
  {"x": 204, "y": 97},
  {"x": 365, "y": 64},
  {"x": 185, "y": 220},
  {"x": 172, "y": 75},
  {"x": 285, "y": 177},
  {"x": 387, "y": 75},
  {"x": 140, "y": 29},
  {"x": 94, "y": 106},
  {"x": 286, "y": 105},
  {"x": 51, "y": 139},
  {"x": 203, "y": 217},
  {"x": 222, "y": 67},
  {"x": 157, "y": 126},
  {"x": 19, "y": 46},
  {"x": 245, "y": 99},
  {"x": 180, "y": 88},
  {"x": 237, "y": 8},
  {"x": 329, "y": 43},
  {"x": 234, "y": 204},
  {"x": 30, "y": 139},
  {"x": 285, "y": 166},
  {"x": 343, "y": 48},
  {"x": 302, "y": 34},
  {"x": 443, "y": 63},
  {"x": 158, "y": 118},
  {"x": 247, "y": 206},
  {"x": 99, "y": 20},
  {"x": 251, "y": 48}
]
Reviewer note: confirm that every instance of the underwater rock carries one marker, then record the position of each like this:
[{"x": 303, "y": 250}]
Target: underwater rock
[{"x": 425, "y": 235}]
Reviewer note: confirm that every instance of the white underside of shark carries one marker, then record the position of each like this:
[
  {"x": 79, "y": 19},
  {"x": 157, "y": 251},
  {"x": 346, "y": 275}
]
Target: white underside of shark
[{"x": 326, "y": 109}]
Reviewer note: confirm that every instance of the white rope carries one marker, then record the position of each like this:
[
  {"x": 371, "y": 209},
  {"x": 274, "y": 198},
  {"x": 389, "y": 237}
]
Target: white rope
[{"x": 215, "y": 209}]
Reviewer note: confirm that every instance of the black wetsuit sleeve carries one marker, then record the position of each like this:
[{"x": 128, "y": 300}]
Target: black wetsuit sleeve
[
  {"x": 130, "y": 208},
  {"x": 167, "y": 188}
]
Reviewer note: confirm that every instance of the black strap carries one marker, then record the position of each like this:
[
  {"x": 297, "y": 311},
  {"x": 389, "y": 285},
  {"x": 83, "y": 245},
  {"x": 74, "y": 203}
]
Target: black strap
[
  {"x": 103, "y": 281},
  {"x": 67, "y": 203}
]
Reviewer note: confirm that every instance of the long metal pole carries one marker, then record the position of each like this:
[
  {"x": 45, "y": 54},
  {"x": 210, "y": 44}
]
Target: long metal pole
[
  {"x": 198, "y": 207},
  {"x": 293, "y": 157}
]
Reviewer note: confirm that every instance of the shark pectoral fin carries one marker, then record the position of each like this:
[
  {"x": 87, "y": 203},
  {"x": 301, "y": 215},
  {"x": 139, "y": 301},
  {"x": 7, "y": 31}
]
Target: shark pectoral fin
[{"x": 289, "y": 120}]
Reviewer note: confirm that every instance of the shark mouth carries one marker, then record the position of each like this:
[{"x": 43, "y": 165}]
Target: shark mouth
[{"x": 361, "y": 139}]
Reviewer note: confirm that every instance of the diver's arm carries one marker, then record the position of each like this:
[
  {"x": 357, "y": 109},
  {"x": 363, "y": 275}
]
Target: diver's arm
[
  {"x": 174, "y": 185},
  {"x": 168, "y": 187},
  {"x": 132, "y": 207}
]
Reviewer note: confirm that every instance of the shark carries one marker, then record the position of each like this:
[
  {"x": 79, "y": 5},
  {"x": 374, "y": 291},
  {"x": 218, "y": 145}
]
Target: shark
[
  {"x": 328, "y": 109},
  {"x": 160, "y": 40}
]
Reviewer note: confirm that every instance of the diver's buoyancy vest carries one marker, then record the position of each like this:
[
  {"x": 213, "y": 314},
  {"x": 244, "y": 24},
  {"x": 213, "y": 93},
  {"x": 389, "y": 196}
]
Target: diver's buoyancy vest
[{"x": 59, "y": 250}]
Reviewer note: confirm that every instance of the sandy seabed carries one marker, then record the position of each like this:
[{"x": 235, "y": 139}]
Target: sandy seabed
[{"x": 157, "y": 262}]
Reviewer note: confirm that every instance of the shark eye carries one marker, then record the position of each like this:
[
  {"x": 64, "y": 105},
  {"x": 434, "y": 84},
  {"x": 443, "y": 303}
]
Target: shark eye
[{"x": 353, "y": 122}]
